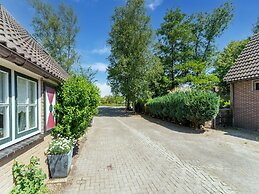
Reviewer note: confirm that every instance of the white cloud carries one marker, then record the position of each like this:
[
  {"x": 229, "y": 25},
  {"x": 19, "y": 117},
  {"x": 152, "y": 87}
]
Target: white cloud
[
  {"x": 102, "y": 51},
  {"x": 99, "y": 67},
  {"x": 104, "y": 88},
  {"x": 153, "y": 4}
]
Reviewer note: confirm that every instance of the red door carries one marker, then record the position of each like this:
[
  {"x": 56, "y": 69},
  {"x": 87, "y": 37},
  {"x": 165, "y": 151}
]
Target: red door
[{"x": 50, "y": 97}]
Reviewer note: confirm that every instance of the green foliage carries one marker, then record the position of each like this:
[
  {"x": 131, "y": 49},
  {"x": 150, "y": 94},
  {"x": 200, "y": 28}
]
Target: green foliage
[
  {"x": 87, "y": 72},
  {"x": 57, "y": 31},
  {"x": 29, "y": 178},
  {"x": 197, "y": 77},
  {"x": 224, "y": 61},
  {"x": 160, "y": 86},
  {"x": 186, "y": 45},
  {"x": 224, "y": 103},
  {"x": 131, "y": 62},
  {"x": 175, "y": 36},
  {"x": 77, "y": 102},
  {"x": 60, "y": 145},
  {"x": 119, "y": 100},
  {"x": 215, "y": 24},
  {"x": 141, "y": 105},
  {"x": 192, "y": 106}
]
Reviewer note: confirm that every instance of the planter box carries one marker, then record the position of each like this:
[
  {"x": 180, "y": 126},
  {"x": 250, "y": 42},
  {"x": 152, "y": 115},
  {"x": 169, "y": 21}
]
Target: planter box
[{"x": 59, "y": 165}]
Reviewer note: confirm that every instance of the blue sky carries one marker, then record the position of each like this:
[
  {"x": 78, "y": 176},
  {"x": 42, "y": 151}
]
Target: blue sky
[{"x": 95, "y": 22}]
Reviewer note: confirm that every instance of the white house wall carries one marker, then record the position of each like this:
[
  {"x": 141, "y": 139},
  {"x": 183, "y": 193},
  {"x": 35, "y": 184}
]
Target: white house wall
[{"x": 14, "y": 68}]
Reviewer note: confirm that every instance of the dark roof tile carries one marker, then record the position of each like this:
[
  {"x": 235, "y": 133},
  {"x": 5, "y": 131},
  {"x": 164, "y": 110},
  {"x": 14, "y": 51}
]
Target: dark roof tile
[
  {"x": 16, "y": 38},
  {"x": 247, "y": 64}
]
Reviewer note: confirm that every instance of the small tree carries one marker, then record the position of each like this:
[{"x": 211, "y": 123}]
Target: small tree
[{"x": 77, "y": 102}]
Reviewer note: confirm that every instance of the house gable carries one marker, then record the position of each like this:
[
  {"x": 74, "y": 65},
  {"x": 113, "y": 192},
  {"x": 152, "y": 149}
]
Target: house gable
[{"x": 247, "y": 64}]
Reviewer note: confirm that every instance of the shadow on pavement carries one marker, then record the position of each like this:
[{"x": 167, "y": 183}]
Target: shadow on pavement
[
  {"x": 121, "y": 112},
  {"x": 171, "y": 126},
  {"x": 239, "y": 133},
  {"x": 242, "y": 133},
  {"x": 114, "y": 112}
]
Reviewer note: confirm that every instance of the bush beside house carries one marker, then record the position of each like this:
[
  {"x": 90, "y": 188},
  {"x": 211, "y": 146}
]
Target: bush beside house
[
  {"x": 77, "y": 102},
  {"x": 192, "y": 107}
]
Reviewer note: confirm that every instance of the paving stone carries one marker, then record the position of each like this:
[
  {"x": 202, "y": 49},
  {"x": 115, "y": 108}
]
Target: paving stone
[{"x": 118, "y": 158}]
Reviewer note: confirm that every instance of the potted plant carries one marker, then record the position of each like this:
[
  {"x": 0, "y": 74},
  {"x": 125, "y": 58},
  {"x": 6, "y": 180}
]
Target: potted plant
[{"x": 60, "y": 157}]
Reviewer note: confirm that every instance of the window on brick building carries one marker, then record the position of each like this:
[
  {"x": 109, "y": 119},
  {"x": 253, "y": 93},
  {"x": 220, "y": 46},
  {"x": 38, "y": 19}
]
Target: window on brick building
[{"x": 256, "y": 85}]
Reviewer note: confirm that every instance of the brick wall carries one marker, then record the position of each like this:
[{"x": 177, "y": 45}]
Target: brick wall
[
  {"x": 6, "y": 178},
  {"x": 245, "y": 105}
]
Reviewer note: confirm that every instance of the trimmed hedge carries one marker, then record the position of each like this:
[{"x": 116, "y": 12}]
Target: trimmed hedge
[{"x": 192, "y": 107}]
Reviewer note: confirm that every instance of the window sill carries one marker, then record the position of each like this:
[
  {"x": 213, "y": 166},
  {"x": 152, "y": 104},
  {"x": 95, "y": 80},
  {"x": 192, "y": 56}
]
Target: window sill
[{"x": 15, "y": 150}]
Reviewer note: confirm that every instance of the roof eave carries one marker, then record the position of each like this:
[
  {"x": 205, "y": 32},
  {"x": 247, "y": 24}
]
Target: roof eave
[
  {"x": 241, "y": 79},
  {"x": 19, "y": 60}
]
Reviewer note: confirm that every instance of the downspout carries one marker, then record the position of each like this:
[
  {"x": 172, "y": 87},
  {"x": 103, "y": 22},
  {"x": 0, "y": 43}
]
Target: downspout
[{"x": 232, "y": 101}]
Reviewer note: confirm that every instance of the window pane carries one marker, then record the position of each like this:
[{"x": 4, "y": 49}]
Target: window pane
[
  {"x": 31, "y": 92},
  {"x": 21, "y": 118},
  {"x": 32, "y": 118},
  {"x": 21, "y": 90},
  {"x": 3, "y": 86},
  {"x": 257, "y": 86},
  {"x": 3, "y": 122}
]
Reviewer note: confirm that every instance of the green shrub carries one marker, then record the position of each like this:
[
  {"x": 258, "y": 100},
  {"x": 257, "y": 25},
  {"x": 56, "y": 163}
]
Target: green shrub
[
  {"x": 193, "y": 106},
  {"x": 60, "y": 146},
  {"x": 224, "y": 103},
  {"x": 140, "y": 106},
  {"x": 77, "y": 102},
  {"x": 28, "y": 178}
]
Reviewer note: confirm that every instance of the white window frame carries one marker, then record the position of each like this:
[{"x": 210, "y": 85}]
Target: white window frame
[
  {"x": 13, "y": 71},
  {"x": 6, "y": 105},
  {"x": 27, "y": 105}
]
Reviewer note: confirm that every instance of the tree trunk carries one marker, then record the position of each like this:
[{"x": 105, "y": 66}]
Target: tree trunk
[{"x": 128, "y": 104}]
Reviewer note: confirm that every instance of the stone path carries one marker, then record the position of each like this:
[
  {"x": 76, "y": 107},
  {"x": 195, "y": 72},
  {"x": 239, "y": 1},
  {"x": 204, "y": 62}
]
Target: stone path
[{"x": 129, "y": 154}]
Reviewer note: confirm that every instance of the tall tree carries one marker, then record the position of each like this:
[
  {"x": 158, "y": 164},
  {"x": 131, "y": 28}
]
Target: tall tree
[
  {"x": 187, "y": 45},
  {"x": 174, "y": 38},
  {"x": 224, "y": 61},
  {"x": 130, "y": 39},
  {"x": 56, "y": 30}
]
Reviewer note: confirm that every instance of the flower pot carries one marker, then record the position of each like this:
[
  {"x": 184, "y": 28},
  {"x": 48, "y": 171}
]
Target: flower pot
[{"x": 59, "y": 165}]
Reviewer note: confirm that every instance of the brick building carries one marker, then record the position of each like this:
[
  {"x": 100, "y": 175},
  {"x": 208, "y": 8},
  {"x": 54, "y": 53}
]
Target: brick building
[
  {"x": 28, "y": 76},
  {"x": 244, "y": 82}
]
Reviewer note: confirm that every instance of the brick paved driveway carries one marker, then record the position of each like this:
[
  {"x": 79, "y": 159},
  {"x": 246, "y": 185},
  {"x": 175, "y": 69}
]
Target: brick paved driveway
[{"x": 131, "y": 154}]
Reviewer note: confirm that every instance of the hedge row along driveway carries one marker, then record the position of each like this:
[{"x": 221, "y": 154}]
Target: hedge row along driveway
[{"x": 191, "y": 107}]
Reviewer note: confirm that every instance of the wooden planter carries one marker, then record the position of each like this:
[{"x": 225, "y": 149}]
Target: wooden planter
[{"x": 59, "y": 165}]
